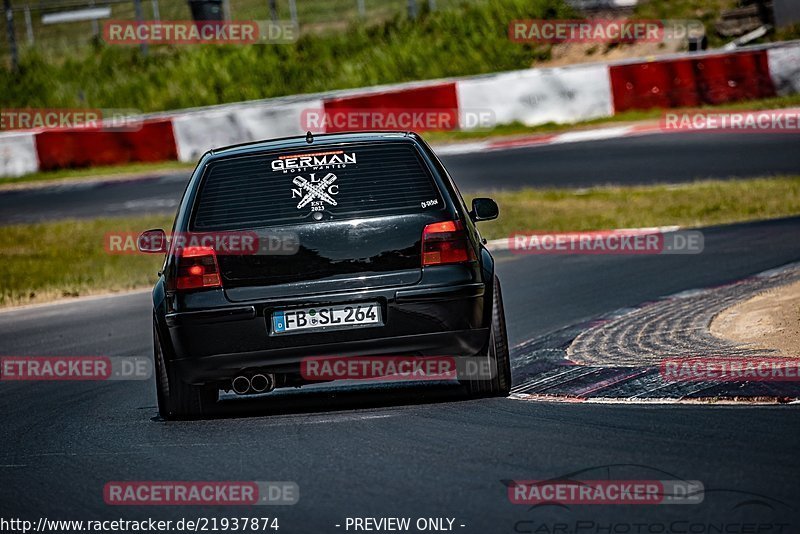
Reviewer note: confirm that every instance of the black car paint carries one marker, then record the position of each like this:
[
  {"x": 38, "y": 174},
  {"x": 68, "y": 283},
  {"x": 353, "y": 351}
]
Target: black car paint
[{"x": 213, "y": 335}]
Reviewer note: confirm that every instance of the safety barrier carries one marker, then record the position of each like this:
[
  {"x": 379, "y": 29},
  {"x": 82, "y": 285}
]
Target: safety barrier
[{"x": 531, "y": 97}]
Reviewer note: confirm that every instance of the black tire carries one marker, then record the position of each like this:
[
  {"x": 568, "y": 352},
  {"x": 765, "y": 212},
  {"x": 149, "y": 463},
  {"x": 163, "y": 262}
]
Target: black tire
[
  {"x": 177, "y": 399},
  {"x": 499, "y": 359}
]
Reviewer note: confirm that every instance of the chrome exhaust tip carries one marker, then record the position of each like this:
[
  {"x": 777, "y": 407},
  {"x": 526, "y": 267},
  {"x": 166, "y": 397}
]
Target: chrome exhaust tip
[
  {"x": 261, "y": 383},
  {"x": 241, "y": 385}
]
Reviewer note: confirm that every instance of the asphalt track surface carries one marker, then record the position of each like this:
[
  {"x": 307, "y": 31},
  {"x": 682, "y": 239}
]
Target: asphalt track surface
[
  {"x": 416, "y": 450},
  {"x": 646, "y": 159}
]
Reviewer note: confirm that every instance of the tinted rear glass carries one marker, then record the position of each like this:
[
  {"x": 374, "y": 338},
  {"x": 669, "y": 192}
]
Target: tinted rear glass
[{"x": 289, "y": 186}]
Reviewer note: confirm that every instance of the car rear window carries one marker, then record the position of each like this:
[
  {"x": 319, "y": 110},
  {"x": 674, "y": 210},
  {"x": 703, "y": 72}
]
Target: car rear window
[{"x": 287, "y": 187}]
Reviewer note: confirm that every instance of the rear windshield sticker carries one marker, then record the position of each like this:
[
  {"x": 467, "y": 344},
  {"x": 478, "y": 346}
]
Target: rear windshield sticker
[
  {"x": 315, "y": 191},
  {"x": 337, "y": 159}
]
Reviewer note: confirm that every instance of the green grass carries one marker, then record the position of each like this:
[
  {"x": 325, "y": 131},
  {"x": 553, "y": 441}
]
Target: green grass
[
  {"x": 112, "y": 171},
  {"x": 49, "y": 261},
  {"x": 463, "y": 37},
  {"x": 43, "y": 262},
  {"x": 314, "y": 16},
  {"x": 469, "y": 40},
  {"x": 701, "y": 203}
]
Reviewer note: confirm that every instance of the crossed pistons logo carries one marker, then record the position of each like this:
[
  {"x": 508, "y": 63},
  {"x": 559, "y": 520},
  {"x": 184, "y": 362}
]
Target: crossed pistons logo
[{"x": 315, "y": 190}]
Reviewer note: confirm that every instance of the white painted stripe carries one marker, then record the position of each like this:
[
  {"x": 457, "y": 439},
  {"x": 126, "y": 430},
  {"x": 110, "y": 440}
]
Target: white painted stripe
[
  {"x": 593, "y": 135},
  {"x": 153, "y": 203},
  {"x": 77, "y": 15},
  {"x": 497, "y": 244},
  {"x": 778, "y": 270},
  {"x": 73, "y": 300},
  {"x": 461, "y": 148},
  {"x": 579, "y": 136},
  {"x": 632, "y": 401},
  {"x": 503, "y": 243}
]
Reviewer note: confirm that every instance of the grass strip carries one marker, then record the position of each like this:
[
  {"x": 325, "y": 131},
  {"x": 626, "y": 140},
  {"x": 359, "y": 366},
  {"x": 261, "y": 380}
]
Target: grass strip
[{"x": 54, "y": 260}]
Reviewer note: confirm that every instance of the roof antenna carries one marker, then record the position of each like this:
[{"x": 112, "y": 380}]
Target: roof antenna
[{"x": 309, "y": 137}]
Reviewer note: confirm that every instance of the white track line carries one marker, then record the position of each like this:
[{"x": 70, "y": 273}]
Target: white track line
[
  {"x": 505, "y": 242},
  {"x": 708, "y": 401}
]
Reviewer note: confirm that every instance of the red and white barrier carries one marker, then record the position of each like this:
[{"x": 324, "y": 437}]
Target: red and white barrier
[
  {"x": 438, "y": 96},
  {"x": 539, "y": 96},
  {"x": 784, "y": 68},
  {"x": 531, "y": 97},
  {"x": 18, "y": 154},
  {"x": 692, "y": 81},
  {"x": 198, "y": 132},
  {"x": 91, "y": 147}
]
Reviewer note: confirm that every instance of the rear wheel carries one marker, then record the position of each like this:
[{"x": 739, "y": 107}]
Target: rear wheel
[
  {"x": 499, "y": 360},
  {"x": 177, "y": 399}
]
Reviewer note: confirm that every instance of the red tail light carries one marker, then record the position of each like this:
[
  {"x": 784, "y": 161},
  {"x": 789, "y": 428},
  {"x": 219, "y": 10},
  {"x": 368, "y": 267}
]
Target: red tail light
[
  {"x": 445, "y": 242},
  {"x": 197, "y": 268}
]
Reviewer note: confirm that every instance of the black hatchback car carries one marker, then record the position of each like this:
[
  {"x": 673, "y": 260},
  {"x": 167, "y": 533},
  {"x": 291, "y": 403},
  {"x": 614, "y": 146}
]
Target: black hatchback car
[{"x": 364, "y": 247}]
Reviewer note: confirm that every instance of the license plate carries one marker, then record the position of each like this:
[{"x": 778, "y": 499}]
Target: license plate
[{"x": 326, "y": 317}]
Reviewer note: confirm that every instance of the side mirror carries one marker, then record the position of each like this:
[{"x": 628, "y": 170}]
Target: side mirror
[
  {"x": 152, "y": 242},
  {"x": 484, "y": 209}
]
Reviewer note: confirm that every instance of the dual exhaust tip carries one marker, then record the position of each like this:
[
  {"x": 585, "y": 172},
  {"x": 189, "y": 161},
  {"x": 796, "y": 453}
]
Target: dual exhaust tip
[{"x": 258, "y": 383}]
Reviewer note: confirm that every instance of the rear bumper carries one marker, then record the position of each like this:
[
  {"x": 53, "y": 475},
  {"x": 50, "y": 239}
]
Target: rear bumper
[
  {"x": 223, "y": 367},
  {"x": 218, "y": 343}
]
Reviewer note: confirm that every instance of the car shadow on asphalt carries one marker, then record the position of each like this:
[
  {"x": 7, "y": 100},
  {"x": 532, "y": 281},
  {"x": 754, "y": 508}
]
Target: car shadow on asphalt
[{"x": 333, "y": 398}]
